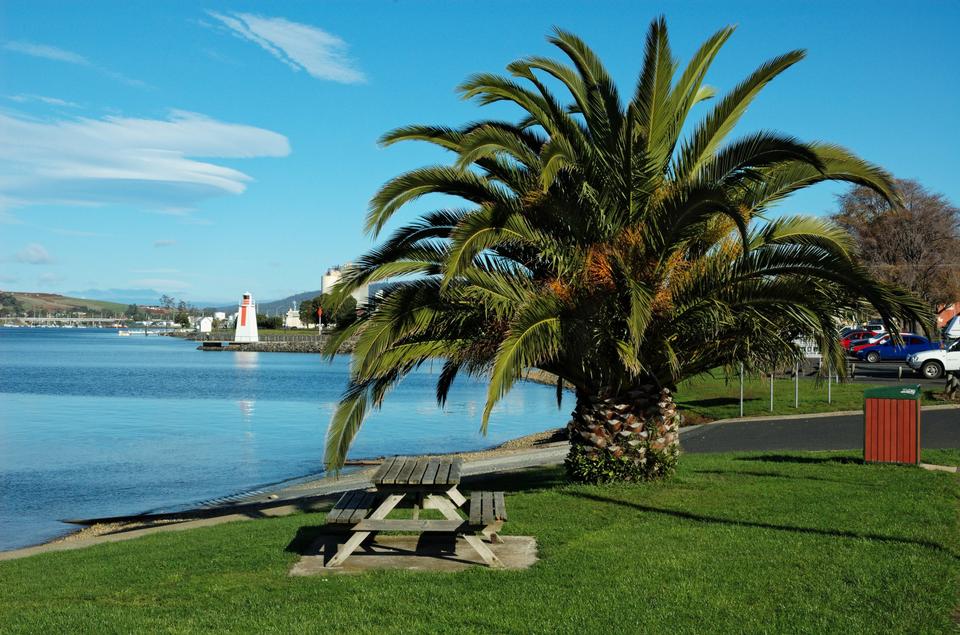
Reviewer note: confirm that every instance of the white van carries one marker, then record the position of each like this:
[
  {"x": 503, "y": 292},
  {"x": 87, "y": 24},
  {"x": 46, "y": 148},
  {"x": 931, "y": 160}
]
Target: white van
[{"x": 952, "y": 330}]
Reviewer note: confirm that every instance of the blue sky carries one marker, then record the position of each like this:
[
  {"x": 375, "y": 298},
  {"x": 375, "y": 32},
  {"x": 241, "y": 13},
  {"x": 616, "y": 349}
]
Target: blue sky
[{"x": 205, "y": 149}]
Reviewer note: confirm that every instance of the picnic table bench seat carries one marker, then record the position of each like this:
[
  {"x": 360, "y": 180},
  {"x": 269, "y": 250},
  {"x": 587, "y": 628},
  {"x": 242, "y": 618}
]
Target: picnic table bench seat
[
  {"x": 352, "y": 507},
  {"x": 487, "y": 508}
]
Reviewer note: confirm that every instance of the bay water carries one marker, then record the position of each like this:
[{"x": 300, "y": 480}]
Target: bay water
[{"x": 92, "y": 424}]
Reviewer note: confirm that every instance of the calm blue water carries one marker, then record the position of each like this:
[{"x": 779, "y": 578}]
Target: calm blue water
[{"x": 92, "y": 424}]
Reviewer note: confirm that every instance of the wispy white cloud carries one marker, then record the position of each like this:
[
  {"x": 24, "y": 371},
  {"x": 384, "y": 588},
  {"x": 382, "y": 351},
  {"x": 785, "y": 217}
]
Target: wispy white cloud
[
  {"x": 56, "y": 54},
  {"x": 299, "y": 46},
  {"x": 164, "y": 243},
  {"x": 48, "y": 52},
  {"x": 34, "y": 254},
  {"x": 148, "y": 162},
  {"x": 160, "y": 271},
  {"x": 50, "y": 101}
]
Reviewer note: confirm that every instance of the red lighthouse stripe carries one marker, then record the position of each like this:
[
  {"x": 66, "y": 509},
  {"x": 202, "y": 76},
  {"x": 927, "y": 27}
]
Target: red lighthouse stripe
[{"x": 243, "y": 316}]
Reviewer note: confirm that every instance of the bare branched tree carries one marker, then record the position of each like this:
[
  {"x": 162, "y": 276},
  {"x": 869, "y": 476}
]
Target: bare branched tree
[{"x": 916, "y": 246}]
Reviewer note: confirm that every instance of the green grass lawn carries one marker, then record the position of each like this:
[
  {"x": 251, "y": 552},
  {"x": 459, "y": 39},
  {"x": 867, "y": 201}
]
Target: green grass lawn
[
  {"x": 711, "y": 397},
  {"x": 795, "y": 542}
]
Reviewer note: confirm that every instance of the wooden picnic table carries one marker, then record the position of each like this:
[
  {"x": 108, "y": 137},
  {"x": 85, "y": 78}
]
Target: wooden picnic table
[{"x": 419, "y": 483}]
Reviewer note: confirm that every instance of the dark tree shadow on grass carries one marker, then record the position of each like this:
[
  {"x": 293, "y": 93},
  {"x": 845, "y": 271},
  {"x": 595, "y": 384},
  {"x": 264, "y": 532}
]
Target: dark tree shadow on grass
[
  {"x": 838, "y": 533},
  {"x": 784, "y": 476}
]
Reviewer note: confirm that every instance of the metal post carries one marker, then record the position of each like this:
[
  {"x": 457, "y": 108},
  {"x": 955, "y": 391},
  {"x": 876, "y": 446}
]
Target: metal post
[
  {"x": 741, "y": 389},
  {"x": 771, "y": 392},
  {"x": 796, "y": 386},
  {"x": 829, "y": 384},
  {"x": 899, "y": 374}
]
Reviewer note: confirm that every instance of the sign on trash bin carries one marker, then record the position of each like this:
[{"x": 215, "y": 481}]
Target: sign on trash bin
[{"x": 891, "y": 431}]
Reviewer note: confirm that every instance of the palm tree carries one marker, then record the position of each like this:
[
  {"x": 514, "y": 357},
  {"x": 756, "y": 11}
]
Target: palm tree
[{"x": 599, "y": 244}]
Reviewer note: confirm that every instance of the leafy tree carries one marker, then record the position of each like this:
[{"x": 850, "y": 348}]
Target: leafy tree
[
  {"x": 599, "y": 244},
  {"x": 269, "y": 321},
  {"x": 342, "y": 313},
  {"x": 916, "y": 244},
  {"x": 167, "y": 302},
  {"x": 182, "y": 318},
  {"x": 132, "y": 311}
]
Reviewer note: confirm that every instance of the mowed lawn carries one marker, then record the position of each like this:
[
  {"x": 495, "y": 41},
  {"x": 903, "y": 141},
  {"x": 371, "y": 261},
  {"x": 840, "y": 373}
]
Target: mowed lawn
[
  {"x": 711, "y": 396},
  {"x": 795, "y": 542}
]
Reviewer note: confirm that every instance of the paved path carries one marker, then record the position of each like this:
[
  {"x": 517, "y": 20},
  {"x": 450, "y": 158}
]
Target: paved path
[{"x": 938, "y": 429}]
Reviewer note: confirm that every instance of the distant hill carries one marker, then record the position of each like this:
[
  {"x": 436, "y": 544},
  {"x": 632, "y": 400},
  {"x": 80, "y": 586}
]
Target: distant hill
[
  {"x": 55, "y": 303},
  {"x": 276, "y": 307}
]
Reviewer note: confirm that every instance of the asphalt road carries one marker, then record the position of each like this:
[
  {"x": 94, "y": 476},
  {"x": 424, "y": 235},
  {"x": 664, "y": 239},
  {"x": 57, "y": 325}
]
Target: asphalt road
[{"x": 938, "y": 429}]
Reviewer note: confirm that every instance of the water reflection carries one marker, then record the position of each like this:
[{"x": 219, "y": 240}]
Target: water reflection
[{"x": 246, "y": 360}]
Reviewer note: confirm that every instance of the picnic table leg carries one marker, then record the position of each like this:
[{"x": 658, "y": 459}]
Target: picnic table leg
[
  {"x": 454, "y": 494},
  {"x": 358, "y": 537},
  {"x": 449, "y": 512}
]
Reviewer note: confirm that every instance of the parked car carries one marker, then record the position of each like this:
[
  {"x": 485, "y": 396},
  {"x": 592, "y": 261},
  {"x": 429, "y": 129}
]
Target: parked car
[
  {"x": 887, "y": 350},
  {"x": 933, "y": 364},
  {"x": 858, "y": 334},
  {"x": 857, "y": 345}
]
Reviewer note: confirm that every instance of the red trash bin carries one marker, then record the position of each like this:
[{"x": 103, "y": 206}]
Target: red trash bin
[{"x": 891, "y": 430}]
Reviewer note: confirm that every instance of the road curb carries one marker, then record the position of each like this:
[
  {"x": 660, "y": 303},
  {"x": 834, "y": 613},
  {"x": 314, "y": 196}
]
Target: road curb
[{"x": 811, "y": 415}]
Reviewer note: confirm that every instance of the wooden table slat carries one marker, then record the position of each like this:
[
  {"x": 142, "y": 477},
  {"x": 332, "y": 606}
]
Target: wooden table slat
[
  {"x": 431, "y": 472},
  {"x": 455, "y": 468},
  {"x": 403, "y": 477},
  {"x": 500, "y": 506},
  {"x": 408, "y": 525},
  {"x": 443, "y": 473},
  {"x": 383, "y": 469},
  {"x": 486, "y": 516},
  {"x": 475, "y": 508},
  {"x": 362, "y": 506},
  {"x": 416, "y": 476},
  {"x": 340, "y": 506},
  {"x": 391, "y": 476}
]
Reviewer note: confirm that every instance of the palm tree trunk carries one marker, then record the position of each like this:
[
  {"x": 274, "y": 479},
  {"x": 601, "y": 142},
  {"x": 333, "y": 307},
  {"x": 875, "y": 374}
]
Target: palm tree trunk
[{"x": 628, "y": 437}]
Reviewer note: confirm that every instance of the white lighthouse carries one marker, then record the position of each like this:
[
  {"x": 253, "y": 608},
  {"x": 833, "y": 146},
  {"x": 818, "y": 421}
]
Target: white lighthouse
[{"x": 247, "y": 321}]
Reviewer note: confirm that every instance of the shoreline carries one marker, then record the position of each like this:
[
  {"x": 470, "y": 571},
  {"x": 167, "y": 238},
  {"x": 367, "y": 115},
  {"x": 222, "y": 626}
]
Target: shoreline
[{"x": 289, "y": 489}]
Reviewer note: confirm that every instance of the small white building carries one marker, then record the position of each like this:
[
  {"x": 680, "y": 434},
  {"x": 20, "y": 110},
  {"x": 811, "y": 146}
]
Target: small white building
[
  {"x": 292, "y": 320},
  {"x": 205, "y": 324},
  {"x": 219, "y": 315}
]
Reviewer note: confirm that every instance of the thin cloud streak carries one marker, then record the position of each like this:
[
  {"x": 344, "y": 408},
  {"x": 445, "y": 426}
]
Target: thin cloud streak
[
  {"x": 56, "y": 54},
  {"x": 43, "y": 99},
  {"x": 148, "y": 162},
  {"x": 299, "y": 46}
]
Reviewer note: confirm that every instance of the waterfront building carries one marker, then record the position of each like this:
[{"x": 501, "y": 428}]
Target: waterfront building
[
  {"x": 333, "y": 275},
  {"x": 292, "y": 320},
  {"x": 246, "y": 330},
  {"x": 219, "y": 315}
]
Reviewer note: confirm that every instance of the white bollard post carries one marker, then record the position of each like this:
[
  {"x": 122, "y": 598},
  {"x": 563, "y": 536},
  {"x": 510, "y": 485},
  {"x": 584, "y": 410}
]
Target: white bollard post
[{"x": 771, "y": 392}]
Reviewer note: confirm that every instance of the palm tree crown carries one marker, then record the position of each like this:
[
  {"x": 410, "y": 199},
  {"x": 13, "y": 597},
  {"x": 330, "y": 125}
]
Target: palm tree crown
[{"x": 598, "y": 243}]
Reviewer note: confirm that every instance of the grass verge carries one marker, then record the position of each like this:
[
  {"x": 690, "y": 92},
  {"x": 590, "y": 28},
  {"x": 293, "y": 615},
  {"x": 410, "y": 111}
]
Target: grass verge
[
  {"x": 799, "y": 542},
  {"x": 711, "y": 397}
]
